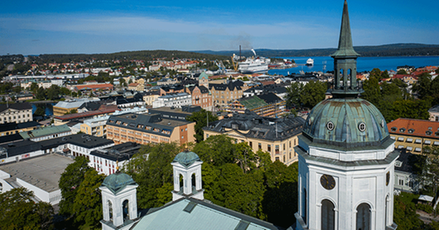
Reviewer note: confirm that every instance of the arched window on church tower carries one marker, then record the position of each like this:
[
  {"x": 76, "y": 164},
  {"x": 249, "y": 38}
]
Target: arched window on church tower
[
  {"x": 181, "y": 183},
  {"x": 126, "y": 209},
  {"x": 328, "y": 215},
  {"x": 110, "y": 210},
  {"x": 193, "y": 182},
  {"x": 363, "y": 217}
]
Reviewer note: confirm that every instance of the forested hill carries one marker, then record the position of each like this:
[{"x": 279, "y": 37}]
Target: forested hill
[
  {"x": 406, "y": 49},
  {"x": 130, "y": 55}
]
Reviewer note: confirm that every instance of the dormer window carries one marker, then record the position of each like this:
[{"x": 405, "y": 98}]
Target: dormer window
[
  {"x": 398, "y": 164},
  {"x": 411, "y": 130},
  {"x": 393, "y": 129},
  {"x": 428, "y": 133},
  {"x": 401, "y": 130}
]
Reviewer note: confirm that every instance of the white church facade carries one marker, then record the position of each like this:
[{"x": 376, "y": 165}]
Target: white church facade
[{"x": 346, "y": 155}]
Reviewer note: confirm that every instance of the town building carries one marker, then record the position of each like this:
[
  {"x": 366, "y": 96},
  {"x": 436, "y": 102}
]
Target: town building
[
  {"x": 15, "y": 128},
  {"x": 171, "y": 89},
  {"x": 45, "y": 133},
  {"x": 16, "y": 112},
  {"x": 150, "y": 97},
  {"x": 278, "y": 136},
  {"x": 346, "y": 156},
  {"x": 223, "y": 94},
  {"x": 201, "y": 97},
  {"x": 203, "y": 80},
  {"x": 265, "y": 105},
  {"x": 175, "y": 113},
  {"x": 106, "y": 160},
  {"x": 64, "y": 107},
  {"x": 20, "y": 150},
  {"x": 416, "y": 136},
  {"x": 76, "y": 117},
  {"x": 173, "y": 100},
  {"x": 149, "y": 128},
  {"x": 434, "y": 113},
  {"x": 75, "y": 145},
  {"x": 98, "y": 126},
  {"x": 407, "y": 171},
  {"x": 91, "y": 87},
  {"x": 40, "y": 175}
]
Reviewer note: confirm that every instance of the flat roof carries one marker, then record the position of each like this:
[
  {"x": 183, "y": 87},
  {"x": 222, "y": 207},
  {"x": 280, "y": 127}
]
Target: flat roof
[{"x": 43, "y": 172}]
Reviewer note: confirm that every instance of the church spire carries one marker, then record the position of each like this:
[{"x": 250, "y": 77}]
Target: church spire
[
  {"x": 345, "y": 47},
  {"x": 345, "y": 62}
]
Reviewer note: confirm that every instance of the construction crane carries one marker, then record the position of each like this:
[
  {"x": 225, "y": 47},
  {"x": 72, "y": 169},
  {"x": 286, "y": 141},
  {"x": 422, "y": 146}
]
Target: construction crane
[{"x": 235, "y": 66}]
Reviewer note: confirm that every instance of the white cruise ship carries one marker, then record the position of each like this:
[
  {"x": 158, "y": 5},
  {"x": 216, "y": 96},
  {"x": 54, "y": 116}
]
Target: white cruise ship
[
  {"x": 310, "y": 62},
  {"x": 254, "y": 64}
]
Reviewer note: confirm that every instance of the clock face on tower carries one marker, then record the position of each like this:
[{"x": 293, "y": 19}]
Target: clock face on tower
[{"x": 327, "y": 181}]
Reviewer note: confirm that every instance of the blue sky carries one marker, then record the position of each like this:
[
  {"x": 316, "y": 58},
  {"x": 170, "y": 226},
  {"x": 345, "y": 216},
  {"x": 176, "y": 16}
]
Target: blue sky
[{"x": 94, "y": 26}]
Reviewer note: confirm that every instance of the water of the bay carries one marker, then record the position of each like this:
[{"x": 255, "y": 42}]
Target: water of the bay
[{"x": 325, "y": 64}]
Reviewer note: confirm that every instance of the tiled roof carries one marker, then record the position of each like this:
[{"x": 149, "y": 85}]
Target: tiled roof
[
  {"x": 97, "y": 86},
  {"x": 16, "y": 106},
  {"x": 102, "y": 110},
  {"x": 414, "y": 127}
]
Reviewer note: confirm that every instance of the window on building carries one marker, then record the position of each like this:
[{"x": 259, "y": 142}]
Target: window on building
[
  {"x": 328, "y": 215},
  {"x": 259, "y": 146},
  {"x": 269, "y": 148},
  {"x": 401, "y": 182},
  {"x": 363, "y": 217},
  {"x": 250, "y": 144}
]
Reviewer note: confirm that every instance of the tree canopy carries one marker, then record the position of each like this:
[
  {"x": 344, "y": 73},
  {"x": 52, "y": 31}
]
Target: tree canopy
[
  {"x": 19, "y": 211},
  {"x": 306, "y": 96},
  {"x": 201, "y": 118}
]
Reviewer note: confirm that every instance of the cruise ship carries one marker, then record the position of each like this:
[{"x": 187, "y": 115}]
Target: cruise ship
[
  {"x": 310, "y": 62},
  {"x": 254, "y": 64}
]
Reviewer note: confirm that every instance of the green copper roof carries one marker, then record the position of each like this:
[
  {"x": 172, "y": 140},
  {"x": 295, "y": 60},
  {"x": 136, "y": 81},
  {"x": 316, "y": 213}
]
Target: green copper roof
[
  {"x": 203, "y": 75},
  {"x": 44, "y": 131},
  {"x": 253, "y": 102},
  {"x": 345, "y": 47},
  {"x": 346, "y": 122},
  {"x": 118, "y": 181},
  {"x": 186, "y": 158}
]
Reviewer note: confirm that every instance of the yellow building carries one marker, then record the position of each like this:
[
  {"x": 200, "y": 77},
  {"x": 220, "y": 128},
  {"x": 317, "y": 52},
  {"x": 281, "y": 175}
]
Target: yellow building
[
  {"x": 149, "y": 128},
  {"x": 278, "y": 137},
  {"x": 223, "y": 94},
  {"x": 95, "y": 127},
  {"x": 414, "y": 135},
  {"x": 150, "y": 97},
  {"x": 15, "y": 128}
]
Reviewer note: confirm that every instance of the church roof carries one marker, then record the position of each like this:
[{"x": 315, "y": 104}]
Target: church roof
[
  {"x": 346, "y": 122},
  {"x": 345, "y": 47},
  {"x": 189, "y": 213},
  {"x": 118, "y": 181},
  {"x": 186, "y": 158}
]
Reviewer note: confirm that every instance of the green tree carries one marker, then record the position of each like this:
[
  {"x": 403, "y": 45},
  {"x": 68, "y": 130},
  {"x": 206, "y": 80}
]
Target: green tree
[
  {"x": 151, "y": 168},
  {"x": 41, "y": 93},
  {"x": 87, "y": 206},
  {"x": 293, "y": 95},
  {"x": 19, "y": 211},
  {"x": 201, "y": 118},
  {"x": 17, "y": 89},
  {"x": 280, "y": 199},
  {"x": 404, "y": 213},
  {"x": 402, "y": 71},
  {"x": 423, "y": 86},
  {"x": 313, "y": 93},
  {"x": 372, "y": 91},
  {"x": 375, "y": 73},
  {"x": 69, "y": 183},
  {"x": 217, "y": 150}
]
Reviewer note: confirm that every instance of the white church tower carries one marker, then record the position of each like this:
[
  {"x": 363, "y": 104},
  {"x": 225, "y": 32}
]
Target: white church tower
[
  {"x": 187, "y": 176},
  {"x": 346, "y": 156},
  {"x": 119, "y": 201}
]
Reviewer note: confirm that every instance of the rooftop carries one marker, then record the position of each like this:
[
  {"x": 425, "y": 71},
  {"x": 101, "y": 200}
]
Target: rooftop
[
  {"x": 15, "y": 106},
  {"x": 119, "y": 152},
  {"x": 14, "y": 126},
  {"x": 196, "y": 214},
  {"x": 43, "y": 172},
  {"x": 44, "y": 131},
  {"x": 83, "y": 140},
  {"x": 414, "y": 127}
]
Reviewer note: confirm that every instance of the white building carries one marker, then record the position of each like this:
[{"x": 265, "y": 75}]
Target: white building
[
  {"x": 17, "y": 112},
  {"x": 106, "y": 160},
  {"x": 346, "y": 156},
  {"x": 173, "y": 100}
]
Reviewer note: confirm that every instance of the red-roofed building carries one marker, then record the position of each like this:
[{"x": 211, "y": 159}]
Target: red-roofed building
[
  {"x": 408, "y": 79},
  {"x": 413, "y": 134},
  {"x": 103, "y": 110}
]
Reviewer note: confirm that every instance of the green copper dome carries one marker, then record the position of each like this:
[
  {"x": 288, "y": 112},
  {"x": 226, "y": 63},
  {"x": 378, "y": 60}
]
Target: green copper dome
[
  {"x": 118, "y": 181},
  {"x": 346, "y": 122},
  {"x": 186, "y": 158}
]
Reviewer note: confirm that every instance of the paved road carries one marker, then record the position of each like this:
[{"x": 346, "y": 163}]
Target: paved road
[{"x": 426, "y": 217}]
